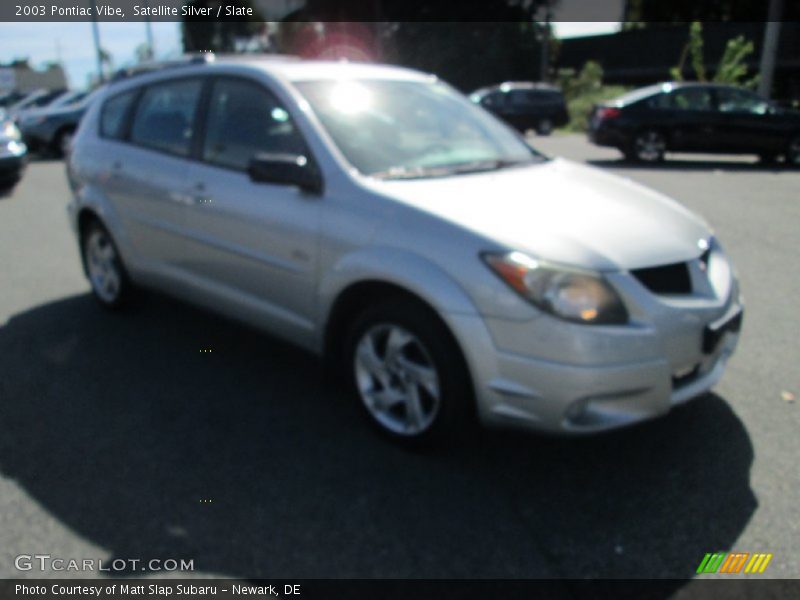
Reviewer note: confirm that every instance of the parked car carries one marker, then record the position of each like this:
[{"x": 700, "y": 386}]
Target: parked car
[
  {"x": 693, "y": 117},
  {"x": 525, "y": 105},
  {"x": 375, "y": 216},
  {"x": 37, "y": 99},
  {"x": 12, "y": 153},
  {"x": 12, "y": 97},
  {"x": 51, "y": 129}
]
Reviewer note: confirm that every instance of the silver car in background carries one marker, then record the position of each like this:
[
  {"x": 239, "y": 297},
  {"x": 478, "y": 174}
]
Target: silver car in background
[{"x": 375, "y": 216}]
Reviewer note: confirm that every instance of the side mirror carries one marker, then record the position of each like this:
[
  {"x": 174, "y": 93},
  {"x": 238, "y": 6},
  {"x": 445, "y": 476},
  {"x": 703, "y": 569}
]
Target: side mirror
[{"x": 285, "y": 169}]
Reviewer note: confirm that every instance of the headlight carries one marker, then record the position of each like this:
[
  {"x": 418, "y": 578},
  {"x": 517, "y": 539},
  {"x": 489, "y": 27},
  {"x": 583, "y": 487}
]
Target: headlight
[
  {"x": 572, "y": 294},
  {"x": 10, "y": 131}
]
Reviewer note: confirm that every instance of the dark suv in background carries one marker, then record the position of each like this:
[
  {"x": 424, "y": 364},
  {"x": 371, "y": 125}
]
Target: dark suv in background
[
  {"x": 694, "y": 117},
  {"x": 525, "y": 105}
]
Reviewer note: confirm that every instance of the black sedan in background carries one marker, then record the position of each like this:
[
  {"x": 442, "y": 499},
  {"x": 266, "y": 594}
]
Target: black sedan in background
[
  {"x": 525, "y": 105},
  {"x": 696, "y": 117}
]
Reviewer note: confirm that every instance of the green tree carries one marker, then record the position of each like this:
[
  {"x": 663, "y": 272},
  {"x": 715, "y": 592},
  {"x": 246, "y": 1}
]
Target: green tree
[{"x": 732, "y": 68}]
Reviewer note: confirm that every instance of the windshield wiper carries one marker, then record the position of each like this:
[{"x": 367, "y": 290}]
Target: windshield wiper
[
  {"x": 409, "y": 173},
  {"x": 475, "y": 166}
]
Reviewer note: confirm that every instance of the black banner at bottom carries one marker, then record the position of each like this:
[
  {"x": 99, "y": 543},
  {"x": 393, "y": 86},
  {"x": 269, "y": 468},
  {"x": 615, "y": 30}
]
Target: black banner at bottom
[{"x": 390, "y": 589}]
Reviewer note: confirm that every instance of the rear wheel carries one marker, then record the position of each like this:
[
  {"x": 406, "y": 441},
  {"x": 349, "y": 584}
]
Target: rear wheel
[
  {"x": 545, "y": 127},
  {"x": 107, "y": 276},
  {"x": 407, "y": 373},
  {"x": 63, "y": 142},
  {"x": 648, "y": 147}
]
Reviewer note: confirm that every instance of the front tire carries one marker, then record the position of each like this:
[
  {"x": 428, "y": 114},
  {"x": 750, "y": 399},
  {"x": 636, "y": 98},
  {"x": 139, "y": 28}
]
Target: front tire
[
  {"x": 793, "y": 152},
  {"x": 107, "y": 276},
  {"x": 648, "y": 146},
  {"x": 407, "y": 373}
]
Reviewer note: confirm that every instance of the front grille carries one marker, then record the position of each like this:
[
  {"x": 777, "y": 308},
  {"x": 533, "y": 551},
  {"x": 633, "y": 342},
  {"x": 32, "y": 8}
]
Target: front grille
[{"x": 667, "y": 279}]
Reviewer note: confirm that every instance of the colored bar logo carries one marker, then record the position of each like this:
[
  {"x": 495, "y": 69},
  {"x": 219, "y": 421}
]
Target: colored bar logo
[{"x": 734, "y": 562}]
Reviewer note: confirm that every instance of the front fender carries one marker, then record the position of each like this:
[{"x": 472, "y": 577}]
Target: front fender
[{"x": 402, "y": 268}]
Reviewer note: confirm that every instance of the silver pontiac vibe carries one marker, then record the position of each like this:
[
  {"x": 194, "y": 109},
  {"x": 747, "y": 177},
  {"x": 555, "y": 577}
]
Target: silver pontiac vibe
[{"x": 374, "y": 215}]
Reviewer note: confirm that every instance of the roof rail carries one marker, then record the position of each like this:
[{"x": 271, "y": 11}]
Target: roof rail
[{"x": 186, "y": 60}]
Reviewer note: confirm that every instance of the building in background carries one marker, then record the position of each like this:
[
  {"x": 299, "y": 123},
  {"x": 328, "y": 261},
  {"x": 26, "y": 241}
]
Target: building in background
[{"x": 21, "y": 77}]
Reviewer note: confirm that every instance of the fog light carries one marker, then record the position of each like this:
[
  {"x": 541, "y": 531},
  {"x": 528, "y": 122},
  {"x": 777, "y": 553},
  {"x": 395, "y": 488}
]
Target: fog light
[{"x": 577, "y": 409}]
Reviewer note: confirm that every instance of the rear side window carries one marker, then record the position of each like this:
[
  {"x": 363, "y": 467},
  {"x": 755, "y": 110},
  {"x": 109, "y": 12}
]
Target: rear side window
[
  {"x": 243, "y": 120},
  {"x": 112, "y": 117},
  {"x": 165, "y": 116},
  {"x": 660, "y": 101}
]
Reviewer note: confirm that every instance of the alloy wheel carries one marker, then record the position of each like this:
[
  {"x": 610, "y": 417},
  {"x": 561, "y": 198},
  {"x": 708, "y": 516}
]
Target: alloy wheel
[
  {"x": 650, "y": 146},
  {"x": 103, "y": 266},
  {"x": 397, "y": 380},
  {"x": 545, "y": 127}
]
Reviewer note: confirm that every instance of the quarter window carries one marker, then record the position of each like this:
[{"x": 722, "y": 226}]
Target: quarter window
[
  {"x": 740, "y": 101},
  {"x": 244, "y": 119},
  {"x": 165, "y": 116},
  {"x": 112, "y": 117}
]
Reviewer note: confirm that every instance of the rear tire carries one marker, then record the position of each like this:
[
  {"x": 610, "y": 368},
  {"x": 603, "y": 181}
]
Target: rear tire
[
  {"x": 110, "y": 283},
  {"x": 648, "y": 147},
  {"x": 63, "y": 142},
  {"x": 544, "y": 127},
  {"x": 407, "y": 373}
]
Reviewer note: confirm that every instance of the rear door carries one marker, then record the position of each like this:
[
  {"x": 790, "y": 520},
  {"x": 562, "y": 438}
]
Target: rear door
[
  {"x": 147, "y": 181},
  {"x": 694, "y": 123}
]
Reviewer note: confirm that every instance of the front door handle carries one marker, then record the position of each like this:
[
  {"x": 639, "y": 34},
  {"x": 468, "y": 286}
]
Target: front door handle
[{"x": 183, "y": 198}]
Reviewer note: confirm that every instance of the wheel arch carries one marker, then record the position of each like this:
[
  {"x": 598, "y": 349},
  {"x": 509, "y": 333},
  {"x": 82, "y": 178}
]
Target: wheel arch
[
  {"x": 86, "y": 216},
  {"x": 359, "y": 295}
]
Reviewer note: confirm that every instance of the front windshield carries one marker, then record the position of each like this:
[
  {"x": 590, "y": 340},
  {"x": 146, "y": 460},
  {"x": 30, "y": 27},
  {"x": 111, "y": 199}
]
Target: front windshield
[{"x": 396, "y": 129}]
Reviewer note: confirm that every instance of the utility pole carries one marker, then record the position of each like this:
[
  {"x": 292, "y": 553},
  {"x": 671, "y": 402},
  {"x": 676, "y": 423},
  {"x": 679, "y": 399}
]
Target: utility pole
[
  {"x": 96, "y": 35},
  {"x": 769, "y": 51},
  {"x": 151, "y": 47},
  {"x": 545, "y": 56}
]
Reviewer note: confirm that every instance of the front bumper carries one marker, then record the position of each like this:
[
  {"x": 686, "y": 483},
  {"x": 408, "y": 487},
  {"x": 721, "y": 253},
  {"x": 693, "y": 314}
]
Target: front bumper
[
  {"x": 12, "y": 160},
  {"x": 550, "y": 375}
]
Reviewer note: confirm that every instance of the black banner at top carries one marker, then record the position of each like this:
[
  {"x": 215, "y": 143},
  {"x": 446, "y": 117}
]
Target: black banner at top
[{"x": 387, "y": 10}]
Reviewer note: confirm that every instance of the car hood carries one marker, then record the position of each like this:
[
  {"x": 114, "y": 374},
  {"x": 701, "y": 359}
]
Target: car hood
[{"x": 563, "y": 212}]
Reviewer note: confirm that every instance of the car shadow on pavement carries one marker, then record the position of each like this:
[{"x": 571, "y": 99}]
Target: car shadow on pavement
[
  {"x": 167, "y": 432},
  {"x": 694, "y": 165}
]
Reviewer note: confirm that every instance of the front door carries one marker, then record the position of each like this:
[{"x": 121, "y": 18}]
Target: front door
[{"x": 256, "y": 244}]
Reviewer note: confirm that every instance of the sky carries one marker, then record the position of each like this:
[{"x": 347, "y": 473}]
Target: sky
[
  {"x": 43, "y": 42},
  {"x": 72, "y": 42}
]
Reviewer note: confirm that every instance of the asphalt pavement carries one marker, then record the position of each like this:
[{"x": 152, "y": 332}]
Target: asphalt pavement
[{"x": 120, "y": 439}]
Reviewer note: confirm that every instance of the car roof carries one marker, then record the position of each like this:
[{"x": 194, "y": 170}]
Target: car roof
[
  {"x": 518, "y": 85},
  {"x": 290, "y": 68}
]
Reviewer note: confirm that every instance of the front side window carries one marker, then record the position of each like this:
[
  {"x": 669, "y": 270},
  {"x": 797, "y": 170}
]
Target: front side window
[
  {"x": 692, "y": 98},
  {"x": 732, "y": 100},
  {"x": 165, "y": 116},
  {"x": 392, "y": 128},
  {"x": 244, "y": 119},
  {"x": 112, "y": 117}
]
